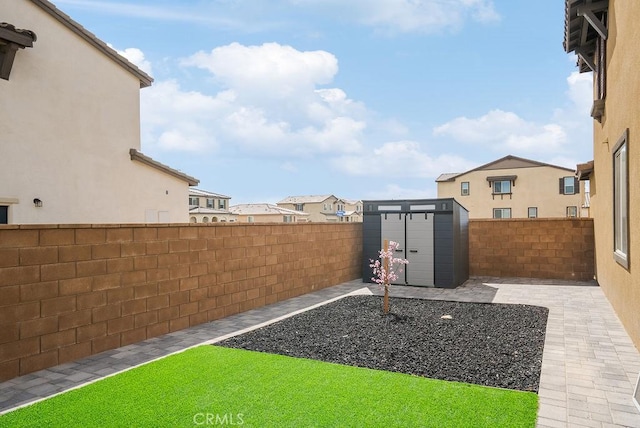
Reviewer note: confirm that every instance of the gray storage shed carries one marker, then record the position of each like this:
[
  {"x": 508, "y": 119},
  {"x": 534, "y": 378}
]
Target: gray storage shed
[{"x": 433, "y": 235}]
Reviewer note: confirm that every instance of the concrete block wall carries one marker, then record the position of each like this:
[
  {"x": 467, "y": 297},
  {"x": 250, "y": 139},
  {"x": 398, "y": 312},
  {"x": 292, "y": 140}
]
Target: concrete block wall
[
  {"x": 70, "y": 291},
  {"x": 532, "y": 248}
]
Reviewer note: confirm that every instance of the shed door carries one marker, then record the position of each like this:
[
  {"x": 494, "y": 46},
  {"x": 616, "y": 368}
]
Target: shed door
[
  {"x": 420, "y": 251},
  {"x": 393, "y": 229}
]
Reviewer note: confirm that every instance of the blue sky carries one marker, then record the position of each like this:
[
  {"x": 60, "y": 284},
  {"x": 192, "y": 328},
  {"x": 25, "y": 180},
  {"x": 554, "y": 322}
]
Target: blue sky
[{"x": 363, "y": 99}]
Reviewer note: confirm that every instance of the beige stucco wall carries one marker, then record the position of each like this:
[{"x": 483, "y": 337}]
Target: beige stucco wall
[
  {"x": 622, "y": 111},
  {"x": 70, "y": 116},
  {"x": 534, "y": 187}
]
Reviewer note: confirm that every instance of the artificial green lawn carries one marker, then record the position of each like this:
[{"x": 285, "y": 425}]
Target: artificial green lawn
[{"x": 215, "y": 386}]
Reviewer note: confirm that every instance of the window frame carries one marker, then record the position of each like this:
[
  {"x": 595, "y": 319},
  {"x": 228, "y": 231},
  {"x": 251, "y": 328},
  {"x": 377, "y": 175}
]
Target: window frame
[
  {"x": 529, "y": 212},
  {"x": 620, "y": 165},
  {"x": 211, "y": 203},
  {"x": 6, "y": 213},
  {"x": 465, "y": 190},
  {"x": 501, "y": 192},
  {"x": 571, "y": 208},
  {"x": 502, "y": 211},
  {"x": 571, "y": 185},
  {"x": 196, "y": 199}
]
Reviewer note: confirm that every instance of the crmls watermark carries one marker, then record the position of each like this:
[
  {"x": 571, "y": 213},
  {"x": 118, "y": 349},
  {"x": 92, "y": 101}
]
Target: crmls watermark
[{"x": 218, "y": 419}]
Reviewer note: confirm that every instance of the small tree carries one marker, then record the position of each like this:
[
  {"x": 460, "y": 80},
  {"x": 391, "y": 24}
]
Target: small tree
[{"x": 386, "y": 269}]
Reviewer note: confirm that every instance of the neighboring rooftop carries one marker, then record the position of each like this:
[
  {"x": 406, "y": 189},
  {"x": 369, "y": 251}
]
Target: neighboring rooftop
[
  {"x": 263, "y": 209},
  {"x": 199, "y": 192},
  {"x": 507, "y": 162},
  {"x": 309, "y": 199}
]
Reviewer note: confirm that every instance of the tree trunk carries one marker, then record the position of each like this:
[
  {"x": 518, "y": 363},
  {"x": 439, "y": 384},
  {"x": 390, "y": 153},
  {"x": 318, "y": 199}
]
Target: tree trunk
[{"x": 385, "y": 266}]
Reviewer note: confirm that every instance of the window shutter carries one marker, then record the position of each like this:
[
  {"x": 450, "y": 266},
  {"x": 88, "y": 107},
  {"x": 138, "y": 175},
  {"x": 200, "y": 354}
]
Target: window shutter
[
  {"x": 562, "y": 185},
  {"x": 576, "y": 185}
]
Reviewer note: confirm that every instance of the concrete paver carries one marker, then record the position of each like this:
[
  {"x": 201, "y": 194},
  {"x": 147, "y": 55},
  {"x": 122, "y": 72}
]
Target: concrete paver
[{"x": 589, "y": 365}]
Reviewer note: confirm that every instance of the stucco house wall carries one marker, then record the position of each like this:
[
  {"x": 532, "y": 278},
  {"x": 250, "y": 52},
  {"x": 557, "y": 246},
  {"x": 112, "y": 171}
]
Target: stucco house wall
[
  {"x": 622, "y": 111},
  {"x": 70, "y": 116}
]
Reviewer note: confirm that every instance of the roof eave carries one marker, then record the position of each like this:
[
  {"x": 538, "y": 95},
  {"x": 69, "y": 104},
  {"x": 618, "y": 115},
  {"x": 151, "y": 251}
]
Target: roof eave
[
  {"x": 89, "y": 37},
  {"x": 137, "y": 156}
]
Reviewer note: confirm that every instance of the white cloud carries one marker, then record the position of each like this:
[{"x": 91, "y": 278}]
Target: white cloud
[
  {"x": 135, "y": 56},
  {"x": 406, "y": 16},
  {"x": 564, "y": 140},
  {"x": 270, "y": 104},
  {"x": 270, "y": 69},
  {"x": 499, "y": 131},
  {"x": 401, "y": 159}
]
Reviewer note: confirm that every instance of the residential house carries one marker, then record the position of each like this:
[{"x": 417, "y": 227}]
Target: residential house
[
  {"x": 323, "y": 208},
  {"x": 352, "y": 210},
  {"x": 604, "y": 35},
  {"x": 70, "y": 132},
  {"x": 267, "y": 213},
  {"x": 514, "y": 187},
  {"x": 208, "y": 207}
]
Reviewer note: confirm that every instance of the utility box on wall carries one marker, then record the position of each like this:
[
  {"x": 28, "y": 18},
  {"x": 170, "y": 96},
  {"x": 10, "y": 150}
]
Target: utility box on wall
[{"x": 433, "y": 235}]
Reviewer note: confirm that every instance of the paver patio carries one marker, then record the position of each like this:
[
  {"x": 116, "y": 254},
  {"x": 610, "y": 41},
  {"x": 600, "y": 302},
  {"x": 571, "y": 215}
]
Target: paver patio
[{"x": 589, "y": 368}]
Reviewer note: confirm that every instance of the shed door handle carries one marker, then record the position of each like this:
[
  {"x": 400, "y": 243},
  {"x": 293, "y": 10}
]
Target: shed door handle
[
  {"x": 413, "y": 251},
  {"x": 398, "y": 251}
]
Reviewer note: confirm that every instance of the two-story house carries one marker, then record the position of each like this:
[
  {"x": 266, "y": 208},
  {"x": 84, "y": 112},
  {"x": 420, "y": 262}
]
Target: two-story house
[
  {"x": 267, "y": 213},
  {"x": 209, "y": 207},
  {"x": 325, "y": 208},
  {"x": 604, "y": 35},
  {"x": 351, "y": 210},
  {"x": 513, "y": 187},
  {"x": 70, "y": 129},
  {"x": 321, "y": 208}
]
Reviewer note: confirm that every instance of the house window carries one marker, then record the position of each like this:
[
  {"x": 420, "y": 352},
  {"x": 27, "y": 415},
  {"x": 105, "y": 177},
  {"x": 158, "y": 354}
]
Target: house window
[
  {"x": 502, "y": 213},
  {"x": 193, "y": 220},
  {"x": 358, "y": 208},
  {"x": 4, "y": 214},
  {"x": 569, "y": 186},
  {"x": 298, "y": 207},
  {"x": 621, "y": 202},
  {"x": 532, "y": 212},
  {"x": 250, "y": 219},
  {"x": 501, "y": 187},
  {"x": 222, "y": 204},
  {"x": 464, "y": 188},
  {"x": 326, "y": 207},
  {"x": 193, "y": 200},
  {"x": 287, "y": 218},
  {"x": 340, "y": 207},
  {"x": 205, "y": 219},
  {"x": 210, "y": 203},
  {"x": 572, "y": 211}
]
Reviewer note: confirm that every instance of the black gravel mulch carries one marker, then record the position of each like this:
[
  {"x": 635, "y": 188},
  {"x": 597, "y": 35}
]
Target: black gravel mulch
[{"x": 495, "y": 345}]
